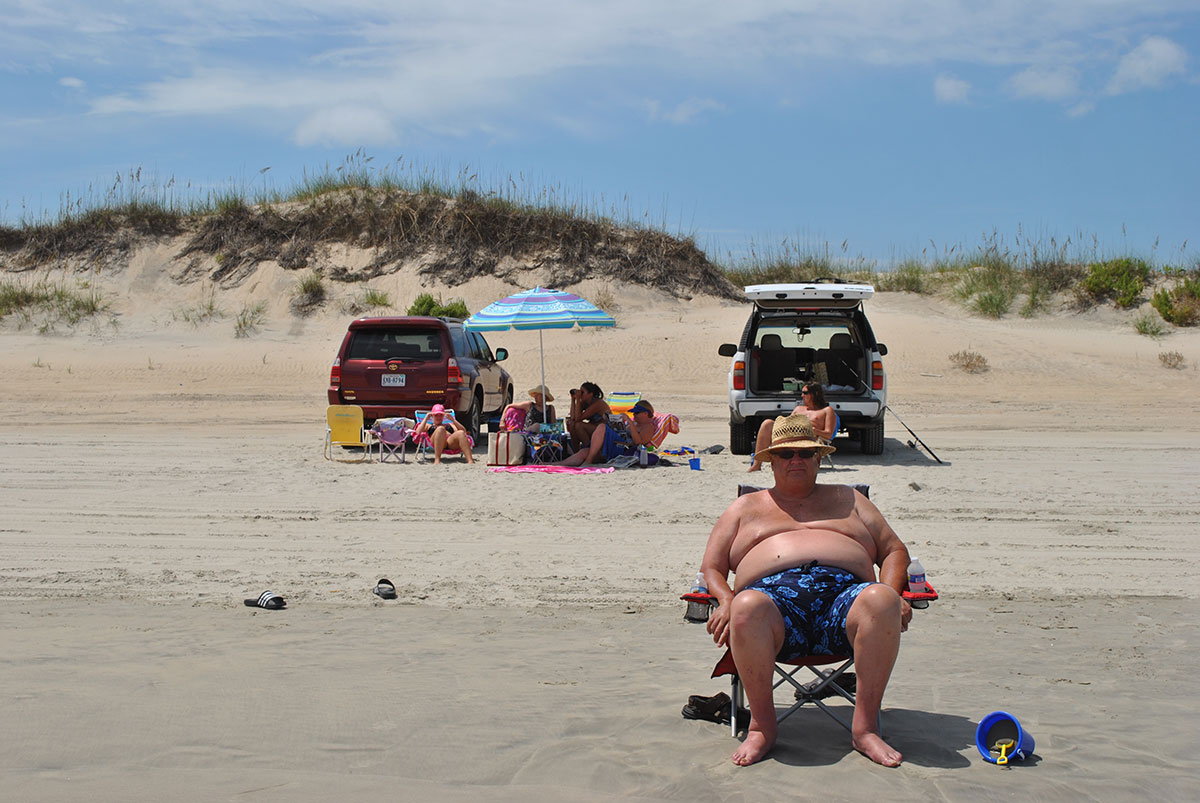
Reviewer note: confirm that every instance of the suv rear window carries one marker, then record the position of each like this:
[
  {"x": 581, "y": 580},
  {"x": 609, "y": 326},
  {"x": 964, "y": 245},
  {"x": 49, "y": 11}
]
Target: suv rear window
[
  {"x": 803, "y": 335},
  {"x": 386, "y": 344}
]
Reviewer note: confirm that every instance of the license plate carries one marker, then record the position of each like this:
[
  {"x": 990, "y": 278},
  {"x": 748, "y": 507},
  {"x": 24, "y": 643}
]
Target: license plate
[{"x": 393, "y": 380}]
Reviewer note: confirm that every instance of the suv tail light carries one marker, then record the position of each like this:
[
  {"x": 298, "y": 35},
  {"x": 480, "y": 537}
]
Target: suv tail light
[
  {"x": 335, "y": 373},
  {"x": 739, "y": 375},
  {"x": 453, "y": 375},
  {"x": 877, "y": 375}
]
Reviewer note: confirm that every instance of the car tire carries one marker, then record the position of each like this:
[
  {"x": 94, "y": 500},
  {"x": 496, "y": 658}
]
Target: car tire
[
  {"x": 741, "y": 437},
  {"x": 472, "y": 421},
  {"x": 872, "y": 439}
]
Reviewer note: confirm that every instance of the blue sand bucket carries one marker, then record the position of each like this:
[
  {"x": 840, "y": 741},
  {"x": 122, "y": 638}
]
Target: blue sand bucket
[
  {"x": 1001, "y": 739},
  {"x": 694, "y": 462}
]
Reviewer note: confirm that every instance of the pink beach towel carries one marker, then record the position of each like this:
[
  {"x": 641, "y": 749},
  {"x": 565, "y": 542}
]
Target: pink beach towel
[{"x": 553, "y": 469}]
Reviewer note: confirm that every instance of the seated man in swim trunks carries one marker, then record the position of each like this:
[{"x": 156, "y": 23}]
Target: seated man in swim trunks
[{"x": 804, "y": 556}]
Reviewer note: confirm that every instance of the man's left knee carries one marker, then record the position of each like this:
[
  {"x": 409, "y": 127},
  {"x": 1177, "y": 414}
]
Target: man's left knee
[{"x": 878, "y": 598}]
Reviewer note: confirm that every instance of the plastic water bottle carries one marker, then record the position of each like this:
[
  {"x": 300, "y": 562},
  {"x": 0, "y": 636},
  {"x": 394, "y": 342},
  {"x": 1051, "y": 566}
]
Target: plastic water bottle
[
  {"x": 643, "y": 456},
  {"x": 697, "y": 611},
  {"x": 916, "y": 577}
]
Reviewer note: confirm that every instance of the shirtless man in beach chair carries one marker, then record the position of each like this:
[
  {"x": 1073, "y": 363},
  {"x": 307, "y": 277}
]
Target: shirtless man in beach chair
[{"x": 804, "y": 556}]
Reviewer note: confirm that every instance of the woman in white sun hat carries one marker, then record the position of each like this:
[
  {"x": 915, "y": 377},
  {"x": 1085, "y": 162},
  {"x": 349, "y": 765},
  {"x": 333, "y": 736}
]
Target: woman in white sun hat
[{"x": 532, "y": 413}]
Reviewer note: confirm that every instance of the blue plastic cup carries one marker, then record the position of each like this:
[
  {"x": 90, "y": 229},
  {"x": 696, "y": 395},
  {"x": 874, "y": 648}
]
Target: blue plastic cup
[
  {"x": 998, "y": 726},
  {"x": 694, "y": 462}
]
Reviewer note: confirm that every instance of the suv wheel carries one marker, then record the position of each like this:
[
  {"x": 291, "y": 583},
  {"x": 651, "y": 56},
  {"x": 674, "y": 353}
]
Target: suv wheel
[
  {"x": 872, "y": 439},
  {"x": 741, "y": 437},
  {"x": 472, "y": 418}
]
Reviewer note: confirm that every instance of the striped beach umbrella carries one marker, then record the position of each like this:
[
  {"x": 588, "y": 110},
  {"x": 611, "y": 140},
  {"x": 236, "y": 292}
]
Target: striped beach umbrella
[{"x": 539, "y": 308}]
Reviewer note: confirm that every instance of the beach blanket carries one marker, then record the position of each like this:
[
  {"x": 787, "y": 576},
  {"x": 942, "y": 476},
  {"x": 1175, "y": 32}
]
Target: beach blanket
[{"x": 553, "y": 470}]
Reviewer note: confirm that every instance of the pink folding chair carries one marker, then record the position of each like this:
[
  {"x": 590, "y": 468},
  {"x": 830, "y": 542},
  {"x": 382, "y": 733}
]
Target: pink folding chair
[{"x": 393, "y": 443}]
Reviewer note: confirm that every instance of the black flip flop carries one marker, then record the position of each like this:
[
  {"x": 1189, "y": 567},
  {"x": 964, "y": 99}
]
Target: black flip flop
[
  {"x": 267, "y": 599},
  {"x": 385, "y": 589},
  {"x": 712, "y": 709}
]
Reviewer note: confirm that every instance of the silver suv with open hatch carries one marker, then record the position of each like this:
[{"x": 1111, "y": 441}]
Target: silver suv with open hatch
[{"x": 811, "y": 332}]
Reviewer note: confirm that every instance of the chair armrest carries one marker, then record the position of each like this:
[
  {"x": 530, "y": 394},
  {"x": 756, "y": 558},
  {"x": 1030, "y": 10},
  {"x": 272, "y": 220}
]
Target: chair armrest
[{"x": 920, "y": 599}]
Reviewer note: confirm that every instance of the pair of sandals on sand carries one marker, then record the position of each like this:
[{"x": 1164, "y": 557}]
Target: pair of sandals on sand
[
  {"x": 717, "y": 708},
  {"x": 271, "y": 601}
]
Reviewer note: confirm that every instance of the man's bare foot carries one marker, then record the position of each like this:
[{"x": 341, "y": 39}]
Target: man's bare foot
[
  {"x": 755, "y": 466},
  {"x": 876, "y": 749},
  {"x": 754, "y": 748}
]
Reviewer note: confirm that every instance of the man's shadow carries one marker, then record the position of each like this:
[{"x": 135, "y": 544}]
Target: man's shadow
[{"x": 809, "y": 738}]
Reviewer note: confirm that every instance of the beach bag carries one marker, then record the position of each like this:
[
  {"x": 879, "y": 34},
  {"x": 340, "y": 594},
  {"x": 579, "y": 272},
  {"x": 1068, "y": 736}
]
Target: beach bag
[{"x": 506, "y": 449}]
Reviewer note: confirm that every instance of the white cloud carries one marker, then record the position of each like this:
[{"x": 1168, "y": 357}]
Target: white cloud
[
  {"x": 685, "y": 111},
  {"x": 1045, "y": 83},
  {"x": 349, "y": 126},
  {"x": 477, "y": 64},
  {"x": 948, "y": 89},
  {"x": 1148, "y": 65},
  {"x": 1081, "y": 109},
  {"x": 71, "y": 82}
]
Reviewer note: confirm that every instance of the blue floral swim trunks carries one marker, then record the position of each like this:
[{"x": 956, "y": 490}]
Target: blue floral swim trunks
[{"x": 813, "y": 601}]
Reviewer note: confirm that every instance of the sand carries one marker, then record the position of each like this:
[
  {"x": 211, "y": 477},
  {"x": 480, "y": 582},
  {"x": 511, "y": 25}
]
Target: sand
[{"x": 155, "y": 473}]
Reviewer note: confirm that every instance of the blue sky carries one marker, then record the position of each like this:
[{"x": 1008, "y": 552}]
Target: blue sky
[{"x": 892, "y": 127}]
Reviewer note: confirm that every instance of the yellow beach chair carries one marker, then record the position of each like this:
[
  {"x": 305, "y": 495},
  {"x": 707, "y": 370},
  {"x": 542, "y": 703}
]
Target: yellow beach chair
[{"x": 344, "y": 427}]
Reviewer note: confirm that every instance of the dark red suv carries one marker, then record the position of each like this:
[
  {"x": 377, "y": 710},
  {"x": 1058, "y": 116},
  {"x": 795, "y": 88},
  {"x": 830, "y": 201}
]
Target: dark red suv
[{"x": 396, "y": 366}]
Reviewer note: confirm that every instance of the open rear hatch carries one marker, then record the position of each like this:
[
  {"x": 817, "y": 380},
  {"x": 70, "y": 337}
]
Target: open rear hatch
[{"x": 813, "y": 295}]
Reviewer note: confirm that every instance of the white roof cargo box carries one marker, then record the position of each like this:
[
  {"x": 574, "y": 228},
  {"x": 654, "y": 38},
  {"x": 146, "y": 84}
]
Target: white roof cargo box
[{"x": 813, "y": 295}]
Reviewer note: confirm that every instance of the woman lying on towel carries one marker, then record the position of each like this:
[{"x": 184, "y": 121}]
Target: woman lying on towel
[{"x": 617, "y": 436}]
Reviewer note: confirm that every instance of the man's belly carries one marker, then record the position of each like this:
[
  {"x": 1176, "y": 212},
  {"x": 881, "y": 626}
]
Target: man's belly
[{"x": 792, "y": 549}]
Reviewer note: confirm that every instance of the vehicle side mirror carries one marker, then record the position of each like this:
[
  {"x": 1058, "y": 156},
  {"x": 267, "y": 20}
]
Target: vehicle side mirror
[
  {"x": 727, "y": 350},
  {"x": 882, "y": 349},
  {"x": 501, "y": 354}
]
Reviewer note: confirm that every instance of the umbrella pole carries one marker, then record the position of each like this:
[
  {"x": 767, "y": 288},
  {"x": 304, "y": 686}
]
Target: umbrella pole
[{"x": 542, "y": 351}]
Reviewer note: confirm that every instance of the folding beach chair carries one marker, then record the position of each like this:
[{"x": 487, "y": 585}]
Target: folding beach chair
[
  {"x": 837, "y": 424},
  {"x": 622, "y": 401},
  {"x": 546, "y": 445},
  {"x": 828, "y": 682},
  {"x": 344, "y": 427},
  {"x": 425, "y": 445},
  {"x": 393, "y": 443}
]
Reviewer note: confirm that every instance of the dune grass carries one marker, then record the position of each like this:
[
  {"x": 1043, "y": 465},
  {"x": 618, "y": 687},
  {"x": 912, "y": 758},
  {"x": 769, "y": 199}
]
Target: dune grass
[
  {"x": 1180, "y": 304},
  {"x": 249, "y": 319},
  {"x": 48, "y": 303},
  {"x": 401, "y": 210},
  {"x": 426, "y": 304},
  {"x": 971, "y": 362},
  {"x": 309, "y": 294},
  {"x": 1149, "y": 326}
]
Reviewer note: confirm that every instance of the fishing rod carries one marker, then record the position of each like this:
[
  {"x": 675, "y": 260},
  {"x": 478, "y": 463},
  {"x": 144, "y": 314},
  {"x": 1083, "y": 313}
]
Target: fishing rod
[
  {"x": 893, "y": 412},
  {"x": 888, "y": 407}
]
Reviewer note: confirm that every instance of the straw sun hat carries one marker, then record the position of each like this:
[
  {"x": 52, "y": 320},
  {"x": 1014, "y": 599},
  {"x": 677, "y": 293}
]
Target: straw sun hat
[
  {"x": 794, "y": 432},
  {"x": 545, "y": 391}
]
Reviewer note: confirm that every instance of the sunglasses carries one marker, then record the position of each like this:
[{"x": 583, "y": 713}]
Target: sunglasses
[{"x": 788, "y": 454}]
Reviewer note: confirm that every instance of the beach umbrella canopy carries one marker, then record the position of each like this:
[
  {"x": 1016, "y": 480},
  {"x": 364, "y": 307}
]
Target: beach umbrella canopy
[{"x": 539, "y": 308}]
